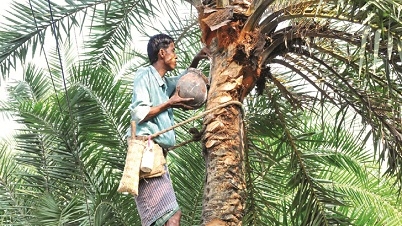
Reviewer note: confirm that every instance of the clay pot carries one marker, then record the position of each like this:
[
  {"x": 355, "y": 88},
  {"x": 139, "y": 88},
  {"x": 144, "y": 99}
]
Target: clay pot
[{"x": 193, "y": 85}]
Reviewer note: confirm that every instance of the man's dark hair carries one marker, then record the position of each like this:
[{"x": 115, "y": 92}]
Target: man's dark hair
[{"x": 157, "y": 42}]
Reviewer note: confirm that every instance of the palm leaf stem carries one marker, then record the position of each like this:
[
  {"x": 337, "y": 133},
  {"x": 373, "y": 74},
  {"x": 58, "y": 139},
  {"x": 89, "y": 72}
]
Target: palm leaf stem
[
  {"x": 368, "y": 105},
  {"x": 392, "y": 86},
  {"x": 293, "y": 68},
  {"x": 293, "y": 34},
  {"x": 255, "y": 17},
  {"x": 296, "y": 152},
  {"x": 42, "y": 41},
  {"x": 75, "y": 139}
]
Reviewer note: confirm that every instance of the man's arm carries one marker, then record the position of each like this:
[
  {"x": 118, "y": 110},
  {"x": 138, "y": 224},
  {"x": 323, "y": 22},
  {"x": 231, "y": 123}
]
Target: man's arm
[
  {"x": 174, "y": 102},
  {"x": 203, "y": 54}
]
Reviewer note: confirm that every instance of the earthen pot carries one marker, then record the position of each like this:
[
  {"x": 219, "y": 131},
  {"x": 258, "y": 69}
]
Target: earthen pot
[{"x": 193, "y": 85}]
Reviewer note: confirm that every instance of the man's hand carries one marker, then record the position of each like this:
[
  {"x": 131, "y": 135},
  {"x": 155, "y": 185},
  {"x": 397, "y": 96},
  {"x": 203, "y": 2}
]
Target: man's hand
[
  {"x": 179, "y": 102},
  {"x": 204, "y": 53}
]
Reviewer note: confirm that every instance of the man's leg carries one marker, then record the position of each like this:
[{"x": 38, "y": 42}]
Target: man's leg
[{"x": 174, "y": 220}]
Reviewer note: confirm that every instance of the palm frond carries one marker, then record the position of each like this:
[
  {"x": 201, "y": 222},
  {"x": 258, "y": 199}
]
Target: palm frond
[
  {"x": 304, "y": 183},
  {"x": 14, "y": 200},
  {"x": 350, "y": 57},
  {"x": 110, "y": 24}
]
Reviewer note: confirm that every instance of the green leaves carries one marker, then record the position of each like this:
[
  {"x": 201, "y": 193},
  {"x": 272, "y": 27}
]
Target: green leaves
[
  {"x": 306, "y": 162},
  {"x": 311, "y": 172},
  {"x": 72, "y": 139},
  {"x": 105, "y": 26},
  {"x": 349, "y": 57},
  {"x": 15, "y": 210}
]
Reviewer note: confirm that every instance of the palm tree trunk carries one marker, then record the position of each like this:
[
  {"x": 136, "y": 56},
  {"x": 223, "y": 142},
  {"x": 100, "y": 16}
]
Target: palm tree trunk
[{"x": 224, "y": 191}]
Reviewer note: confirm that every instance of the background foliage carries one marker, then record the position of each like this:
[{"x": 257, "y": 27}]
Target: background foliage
[{"x": 66, "y": 160}]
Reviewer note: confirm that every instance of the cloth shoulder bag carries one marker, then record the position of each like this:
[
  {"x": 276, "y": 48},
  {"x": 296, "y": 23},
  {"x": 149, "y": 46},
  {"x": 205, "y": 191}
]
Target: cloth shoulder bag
[{"x": 132, "y": 173}]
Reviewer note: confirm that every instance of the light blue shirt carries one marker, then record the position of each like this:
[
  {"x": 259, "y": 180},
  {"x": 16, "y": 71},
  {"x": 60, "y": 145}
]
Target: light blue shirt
[{"x": 150, "y": 89}]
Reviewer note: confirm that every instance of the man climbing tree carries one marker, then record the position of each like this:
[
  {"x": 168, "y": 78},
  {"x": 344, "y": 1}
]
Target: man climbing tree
[
  {"x": 334, "y": 58},
  {"x": 154, "y": 97}
]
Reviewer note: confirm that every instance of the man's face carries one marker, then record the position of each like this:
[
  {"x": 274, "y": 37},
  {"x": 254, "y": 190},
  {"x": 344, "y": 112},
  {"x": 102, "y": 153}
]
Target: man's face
[{"x": 169, "y": 57}]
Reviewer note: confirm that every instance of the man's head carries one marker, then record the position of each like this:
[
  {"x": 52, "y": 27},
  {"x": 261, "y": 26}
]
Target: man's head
[{"x": 161, "y": 46}]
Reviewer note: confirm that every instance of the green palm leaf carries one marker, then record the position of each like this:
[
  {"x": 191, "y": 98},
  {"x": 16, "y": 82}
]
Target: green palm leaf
[{"x": 328, "y": 65}]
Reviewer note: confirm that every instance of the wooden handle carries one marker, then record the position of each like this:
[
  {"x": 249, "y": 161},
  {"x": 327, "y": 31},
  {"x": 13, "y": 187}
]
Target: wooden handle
[{"x": 133, "y": 129}]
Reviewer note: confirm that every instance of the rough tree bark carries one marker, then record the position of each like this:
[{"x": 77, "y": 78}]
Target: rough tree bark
[
  {"x": 234, "y": 71},
  {"x": 224, "y": 192}
]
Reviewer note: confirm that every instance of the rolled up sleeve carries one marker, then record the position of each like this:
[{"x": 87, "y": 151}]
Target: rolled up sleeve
[{"x": 138, "y": 113}]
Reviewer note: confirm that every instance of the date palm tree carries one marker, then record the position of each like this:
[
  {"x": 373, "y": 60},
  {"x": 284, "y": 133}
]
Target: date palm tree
[
  {"x": 264, "y": 163},
  {"x": 345, "y": 50}
]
